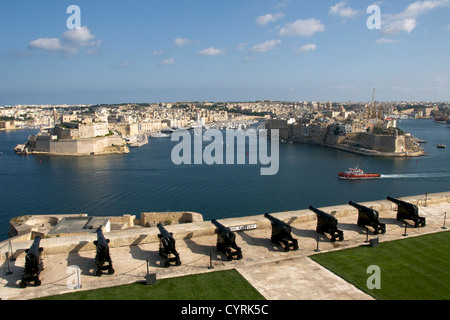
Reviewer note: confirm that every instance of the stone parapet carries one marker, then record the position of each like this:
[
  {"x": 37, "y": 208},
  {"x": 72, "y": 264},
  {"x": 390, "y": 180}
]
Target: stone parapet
[{"x": 141, "y": 235}]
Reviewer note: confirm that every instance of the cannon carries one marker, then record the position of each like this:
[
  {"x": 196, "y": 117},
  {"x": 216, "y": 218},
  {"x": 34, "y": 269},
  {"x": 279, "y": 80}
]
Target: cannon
[
  {"x": 408, "y": 211},
  {"x": 281, "y": 234},
  {"x": 226, "y": 241},
  {"x": 102, "y": 255},
  {"x": 167, "y": 247},
  {"x": 368, "y": 217},
  {"x": 326, "y": 223},
  {"x": 33, "y": 264}
]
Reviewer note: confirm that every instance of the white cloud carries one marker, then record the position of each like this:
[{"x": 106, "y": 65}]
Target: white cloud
[
  {"x": 306, "y": 48},
  {"x": 263, "y": 20},
  {"x": 302, "y": 28},
  {"x": 71, "y": 42},
  {"x": 167, "y": 62},
  {"x": 181, "y": 42},
  {"x": 265, "y": 46},
  {"x": 80, "y": 36},
  {"x": 158, "y": 53},
  {"x": 385, "y": 40},
  {"x": 406, "y": 21},
  {"x": 397, "y": 26},
  {"x": 421, "y": 7},
  {"x": 50, "y": 44},
  {"x": 211, "y": 52},
  {"x": 341, "y": 10}
]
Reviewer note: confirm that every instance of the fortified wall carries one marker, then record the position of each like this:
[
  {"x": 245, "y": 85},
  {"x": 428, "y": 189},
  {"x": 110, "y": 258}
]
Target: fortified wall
[{"x": 142, "y": 235}]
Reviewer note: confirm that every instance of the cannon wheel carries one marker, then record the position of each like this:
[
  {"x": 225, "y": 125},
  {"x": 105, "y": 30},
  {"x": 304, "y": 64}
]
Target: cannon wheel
[
  {"x": 99, "y": 273},
  {"x": 37, "y": 283},
  {"x": 110, "y": 270},
  {"x": 23, "y": 284}
]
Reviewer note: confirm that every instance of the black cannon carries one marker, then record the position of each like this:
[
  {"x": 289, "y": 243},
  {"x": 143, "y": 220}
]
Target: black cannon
[
  {"x": 281, "y": 234},
  {"x": 408, "y": 211},
  {"x": 167, "y": 247},
  {"x": 326, "y": 223},
  {"x": 226, "y": 241},
  {"x": 33, "y": 264},
  {"x": 368, "y": 217},
  {"x": 102, "y": 255}
]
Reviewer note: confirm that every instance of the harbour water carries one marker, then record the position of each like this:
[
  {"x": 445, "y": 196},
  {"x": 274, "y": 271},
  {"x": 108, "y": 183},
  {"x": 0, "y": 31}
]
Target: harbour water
[{"x": 147, "y": 180}]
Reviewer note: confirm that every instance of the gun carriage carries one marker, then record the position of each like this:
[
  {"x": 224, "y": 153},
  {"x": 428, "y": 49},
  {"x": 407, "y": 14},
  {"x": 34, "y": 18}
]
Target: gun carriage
[
  {"x": 167, "y": 247},
  {"x": 102, "y": 256},
  {"x": 226, "y": 241},
  {"x": 281, "y": 234},
  {"x": 33, "y": 264},
  {"x": 408, "y": 211},
  {"x": 368, "y": 217},
  {"x": 326, "y": 223}
]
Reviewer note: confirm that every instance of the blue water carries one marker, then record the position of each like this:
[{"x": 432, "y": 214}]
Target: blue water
[{"x": 147, "y": 180}]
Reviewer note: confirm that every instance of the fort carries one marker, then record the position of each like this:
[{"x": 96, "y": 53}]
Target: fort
[
  {"x": 137, "y": 242},
  {"x": 74, "y": 139}
]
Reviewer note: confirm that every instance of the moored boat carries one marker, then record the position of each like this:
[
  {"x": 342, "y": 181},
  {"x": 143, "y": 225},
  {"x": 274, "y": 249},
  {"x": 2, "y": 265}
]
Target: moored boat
[{"x": 356, "y": 173}]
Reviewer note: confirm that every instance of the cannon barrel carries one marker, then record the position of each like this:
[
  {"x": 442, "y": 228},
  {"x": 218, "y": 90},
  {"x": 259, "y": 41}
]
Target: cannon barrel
[
  {"x": 220, "y": 226},
  {"x": 34, "y": 249},
  {"x": 401, "y": 202},
  {"x": 372, "y": 214},
  {"x": 101, "y": 241},
  {"x": 328, "y": 217},
  {"x": 164, "y": 232},
  {"x": 316, "y": 211},
  {"x": 226, "y": 232},
  {"x": 357, "y": 206},
  {"x": 276, "y": 221}
]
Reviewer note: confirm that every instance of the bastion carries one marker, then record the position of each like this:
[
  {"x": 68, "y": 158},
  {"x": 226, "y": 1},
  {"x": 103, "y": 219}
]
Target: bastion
[{"x": 129, "y": 231}]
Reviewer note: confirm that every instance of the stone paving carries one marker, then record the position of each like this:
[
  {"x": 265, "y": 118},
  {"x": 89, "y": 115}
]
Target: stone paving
[{"x": 276, "y": 274}]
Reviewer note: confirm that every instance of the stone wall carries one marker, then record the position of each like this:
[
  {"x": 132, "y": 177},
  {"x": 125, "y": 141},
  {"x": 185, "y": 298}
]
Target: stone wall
[
  {"x": 167, "y": 218},
  {"x": 101, "y": 145},
  {"x": 137, "y": 236}
]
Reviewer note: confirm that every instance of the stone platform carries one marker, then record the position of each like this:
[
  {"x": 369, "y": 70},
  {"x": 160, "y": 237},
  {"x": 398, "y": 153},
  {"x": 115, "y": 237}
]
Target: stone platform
[{"x": 301, "y": 278}]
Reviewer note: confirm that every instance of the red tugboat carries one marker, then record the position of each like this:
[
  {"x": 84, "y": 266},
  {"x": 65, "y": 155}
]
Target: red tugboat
[{"x": 357, "y": 173}]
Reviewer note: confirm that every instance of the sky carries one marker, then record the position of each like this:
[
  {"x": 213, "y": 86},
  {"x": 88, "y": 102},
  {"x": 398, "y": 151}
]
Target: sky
[{"x": 214, "y": 50}]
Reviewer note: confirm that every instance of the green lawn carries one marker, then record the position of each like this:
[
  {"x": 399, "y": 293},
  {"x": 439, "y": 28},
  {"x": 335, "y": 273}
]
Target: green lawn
[
  {"x": 219, "y": 285},
  {"x": 411, "y": 269}
]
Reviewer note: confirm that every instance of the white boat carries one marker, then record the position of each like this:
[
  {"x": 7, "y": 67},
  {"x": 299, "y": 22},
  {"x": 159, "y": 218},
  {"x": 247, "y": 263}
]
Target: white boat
[{"x": 160, "y": 135}]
